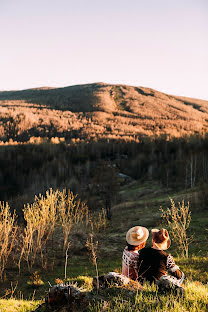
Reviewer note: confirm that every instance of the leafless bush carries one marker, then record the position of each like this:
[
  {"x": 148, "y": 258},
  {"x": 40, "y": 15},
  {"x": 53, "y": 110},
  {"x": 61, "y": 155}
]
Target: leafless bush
[
  {"x": 40, "y": 220},
  {"x": 44, "y": 217},
  {"x": 98, "y": 222},
  {"x": 71, "y": 211},
  {"x": 92, "y": 247},
  {"x": 8, "y": 231},
  {"x": 178, "y": 220}
]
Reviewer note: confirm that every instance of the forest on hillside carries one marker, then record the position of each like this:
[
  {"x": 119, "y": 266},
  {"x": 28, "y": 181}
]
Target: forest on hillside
[
  {"x": 29, "y": 169},
  {"x": 98, "y": 111}
]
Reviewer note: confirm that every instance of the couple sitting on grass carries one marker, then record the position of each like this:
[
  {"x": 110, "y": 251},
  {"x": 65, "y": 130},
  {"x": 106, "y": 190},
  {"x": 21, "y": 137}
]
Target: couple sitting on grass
[{"x": 151, "y": 263}]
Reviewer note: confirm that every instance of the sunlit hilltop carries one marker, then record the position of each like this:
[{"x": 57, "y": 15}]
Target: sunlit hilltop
[{"x": 102, "y": 110}]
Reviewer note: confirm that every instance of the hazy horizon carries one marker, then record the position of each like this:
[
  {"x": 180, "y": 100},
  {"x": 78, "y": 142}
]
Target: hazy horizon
[{"x": 156, "y": 44}]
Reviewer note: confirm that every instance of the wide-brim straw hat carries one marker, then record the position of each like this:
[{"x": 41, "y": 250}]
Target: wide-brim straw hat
[
  {"x": 137, "y": 235},
  {"x": 161, "y": 238}
]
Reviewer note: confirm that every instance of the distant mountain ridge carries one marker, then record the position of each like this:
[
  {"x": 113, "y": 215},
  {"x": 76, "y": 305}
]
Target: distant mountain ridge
[{"x": 109, "y": 110}]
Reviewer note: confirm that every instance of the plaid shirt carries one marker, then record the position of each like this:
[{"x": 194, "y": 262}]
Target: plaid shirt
[{"x": 130, "y": 264}]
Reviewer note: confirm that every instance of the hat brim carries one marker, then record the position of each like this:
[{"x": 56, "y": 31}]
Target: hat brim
[
  {"x": 137, "y": 242},
  {"x": 164, "y": 245}
]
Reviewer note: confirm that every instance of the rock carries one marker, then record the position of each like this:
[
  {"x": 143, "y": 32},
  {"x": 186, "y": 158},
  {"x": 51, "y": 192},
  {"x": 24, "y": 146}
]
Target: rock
[
  {"x": 164, "y": 285},
  {"x": 115, "y": 279},
  {"x": 67, "y": 298},
  {"x": 64, "y": 298}
]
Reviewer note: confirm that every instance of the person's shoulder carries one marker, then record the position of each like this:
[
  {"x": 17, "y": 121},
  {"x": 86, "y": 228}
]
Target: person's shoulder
[
  {"x": 163, "y": 253},
  {"x": 152, "y": 251},
  {"x": 145, "y": 251}
]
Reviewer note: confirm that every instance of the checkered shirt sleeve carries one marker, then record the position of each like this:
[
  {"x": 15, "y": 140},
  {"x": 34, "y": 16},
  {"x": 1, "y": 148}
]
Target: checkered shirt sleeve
[{"x": 171, "y": 266}]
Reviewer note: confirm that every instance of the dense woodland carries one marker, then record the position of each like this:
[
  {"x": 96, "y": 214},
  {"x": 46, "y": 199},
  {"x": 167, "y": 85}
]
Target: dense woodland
[{"x": 26, "y": 170}]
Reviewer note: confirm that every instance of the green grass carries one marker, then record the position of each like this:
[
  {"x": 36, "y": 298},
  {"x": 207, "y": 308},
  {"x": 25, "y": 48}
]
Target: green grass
[
  {"x": 149, "y": 299},
  {"x": 14, "y": 305},
  {"x": 119, "y": 299},
  {"x": 195, "y": 268},
  {"x": 140, "y": 204}
]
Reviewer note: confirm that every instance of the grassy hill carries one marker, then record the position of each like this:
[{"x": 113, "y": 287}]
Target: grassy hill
[{"x": 101, "y": 110}]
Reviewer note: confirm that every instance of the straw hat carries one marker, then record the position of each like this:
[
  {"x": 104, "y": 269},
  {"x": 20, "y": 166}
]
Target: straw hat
[
  {"x": 161, "y": 238},
  {"x": 137, "y": 235}
]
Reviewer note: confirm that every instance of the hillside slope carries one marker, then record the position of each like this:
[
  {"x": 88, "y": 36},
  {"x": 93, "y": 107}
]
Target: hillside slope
[{"x": 106, "y": 111}]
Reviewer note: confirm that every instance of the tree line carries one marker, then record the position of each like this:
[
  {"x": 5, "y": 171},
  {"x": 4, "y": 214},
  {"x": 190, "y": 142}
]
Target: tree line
[{"x": 92, "y": 169}]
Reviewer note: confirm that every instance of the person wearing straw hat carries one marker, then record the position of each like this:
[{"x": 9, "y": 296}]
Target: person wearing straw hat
[
  {"x": 136, "y": 238},
  {"x": 156, "y": 265}
]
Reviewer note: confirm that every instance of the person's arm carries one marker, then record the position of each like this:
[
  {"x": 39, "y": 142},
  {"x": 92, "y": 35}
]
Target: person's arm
[{"x": 172, "y": 268}]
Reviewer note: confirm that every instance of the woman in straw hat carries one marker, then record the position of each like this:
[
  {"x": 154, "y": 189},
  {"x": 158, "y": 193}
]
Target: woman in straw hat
[
  {"x": 136, "y": 238},
  {"x": 156, "y": 265}
]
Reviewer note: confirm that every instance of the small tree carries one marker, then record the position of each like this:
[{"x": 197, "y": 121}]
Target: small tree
[
  {"x": 92, "y": 247},
  {"x": 106, "y": 184},
  {"x": 71, "y": 211},
  {"x": 57, "y": 209},
  {"x": 8, "y": 233},
  {"x": 40, "y": 220},
  {"x": 178, "y": 220},
  {"x": 96, "y": 223}
]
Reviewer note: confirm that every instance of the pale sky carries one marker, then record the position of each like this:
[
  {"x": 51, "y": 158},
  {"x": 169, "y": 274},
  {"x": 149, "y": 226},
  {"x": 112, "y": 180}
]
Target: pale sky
[{"x": 161, "y": 44}]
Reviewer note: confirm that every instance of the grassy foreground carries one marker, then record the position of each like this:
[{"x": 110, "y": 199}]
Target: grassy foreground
[
  {"x": 195, "y": 299},
  {"x": 14, "y": 305},
  {"x": 135, "y": 209},
  {"x": 122, "y": 299}
]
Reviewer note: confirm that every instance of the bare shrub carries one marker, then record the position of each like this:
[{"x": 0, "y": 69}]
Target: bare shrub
[
  {"x": 71, "y": 211},
  {"x": 40, "y": 220},
  {"x": 8, "y": 231},
  {"x": 92, "y": 247},
  {"x": 44, "y": 217},
  {"x": 178, "y": 220},
  {"x": 99, "y": 222},
  {"x": 96, "y": 222}
]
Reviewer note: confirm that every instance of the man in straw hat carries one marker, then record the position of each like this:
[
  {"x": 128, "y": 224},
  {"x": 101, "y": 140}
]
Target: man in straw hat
[
  {"x": 136, "y": 238},
  {"x": 156, "y": 265}
]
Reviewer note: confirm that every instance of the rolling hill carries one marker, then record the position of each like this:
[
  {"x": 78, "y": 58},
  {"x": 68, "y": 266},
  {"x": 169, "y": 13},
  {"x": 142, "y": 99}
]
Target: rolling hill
[{"x": 99, "y": 110}]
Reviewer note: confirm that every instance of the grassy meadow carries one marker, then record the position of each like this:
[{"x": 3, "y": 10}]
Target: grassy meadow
[{"x": 139, "y": 204}]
